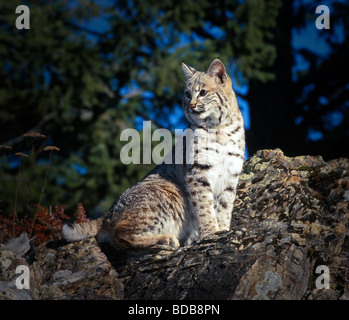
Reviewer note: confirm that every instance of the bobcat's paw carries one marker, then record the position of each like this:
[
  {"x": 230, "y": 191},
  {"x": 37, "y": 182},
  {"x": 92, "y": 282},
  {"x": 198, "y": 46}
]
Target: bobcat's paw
[{"x": 167, "y": 241}]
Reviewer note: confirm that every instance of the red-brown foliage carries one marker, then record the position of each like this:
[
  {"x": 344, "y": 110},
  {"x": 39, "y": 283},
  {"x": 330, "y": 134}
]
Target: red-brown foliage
[{"x": 45, "y": 226}]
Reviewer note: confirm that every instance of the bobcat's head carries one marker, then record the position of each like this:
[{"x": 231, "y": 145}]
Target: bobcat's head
[{"x": 208, "y": 96}]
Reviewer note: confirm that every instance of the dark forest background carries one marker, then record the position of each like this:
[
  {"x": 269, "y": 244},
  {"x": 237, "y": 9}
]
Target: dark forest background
[{"x": 86, "y": 70}]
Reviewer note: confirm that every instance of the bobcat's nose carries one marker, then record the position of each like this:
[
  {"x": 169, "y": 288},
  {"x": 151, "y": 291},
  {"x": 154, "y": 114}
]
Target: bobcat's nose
[{"x": 192, "y": 105}]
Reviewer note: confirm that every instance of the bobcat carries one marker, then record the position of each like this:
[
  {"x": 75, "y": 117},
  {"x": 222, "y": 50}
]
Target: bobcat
[{"x": 177, "y": 203}]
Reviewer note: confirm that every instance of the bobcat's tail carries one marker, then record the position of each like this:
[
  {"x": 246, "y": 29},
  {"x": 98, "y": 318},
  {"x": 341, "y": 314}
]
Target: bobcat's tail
[{"x": 80, "y": 231}]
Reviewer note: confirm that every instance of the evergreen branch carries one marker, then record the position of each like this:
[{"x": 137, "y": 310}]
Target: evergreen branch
[{"x": 81, "y": 28}]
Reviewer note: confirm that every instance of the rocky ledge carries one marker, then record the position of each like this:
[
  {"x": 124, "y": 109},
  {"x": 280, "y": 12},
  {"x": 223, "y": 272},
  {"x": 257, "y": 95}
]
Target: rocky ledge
[{"x": 289, "y": 240}]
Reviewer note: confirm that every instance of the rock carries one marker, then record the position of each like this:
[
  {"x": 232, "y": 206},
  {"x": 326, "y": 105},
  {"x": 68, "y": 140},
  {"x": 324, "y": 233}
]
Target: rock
[
  {"x": 290, "y": 217},
  {"x": 74, "y": 271},
  {"x": 9, "y": 261},
  {"x": 8, "y": 291}
]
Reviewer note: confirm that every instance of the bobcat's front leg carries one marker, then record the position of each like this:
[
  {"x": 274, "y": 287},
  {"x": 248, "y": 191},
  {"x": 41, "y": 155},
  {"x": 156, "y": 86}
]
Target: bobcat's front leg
[
  {"x": 201, "y": 201},
  {"x": 223, "y": 207}
]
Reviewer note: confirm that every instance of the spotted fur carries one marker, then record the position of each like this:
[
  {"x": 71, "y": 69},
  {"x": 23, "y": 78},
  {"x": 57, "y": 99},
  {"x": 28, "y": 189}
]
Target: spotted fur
[{"x": 176, "y": 203}]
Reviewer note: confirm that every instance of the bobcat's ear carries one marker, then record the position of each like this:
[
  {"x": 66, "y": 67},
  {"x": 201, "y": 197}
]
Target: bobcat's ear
[
  {"x": 217, "y": 71},
  {"x": 188, "y": 71}
]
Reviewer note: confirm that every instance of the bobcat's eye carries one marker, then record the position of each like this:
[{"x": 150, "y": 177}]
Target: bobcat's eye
[
  {"x": 203, "y": 93},
  {"x": 187, "y": 94}
]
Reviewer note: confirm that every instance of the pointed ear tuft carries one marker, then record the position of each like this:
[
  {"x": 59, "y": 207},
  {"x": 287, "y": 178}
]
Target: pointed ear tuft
[
  {"x": 217, "y": 71},
  {"x": 188, "y": 71}
]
